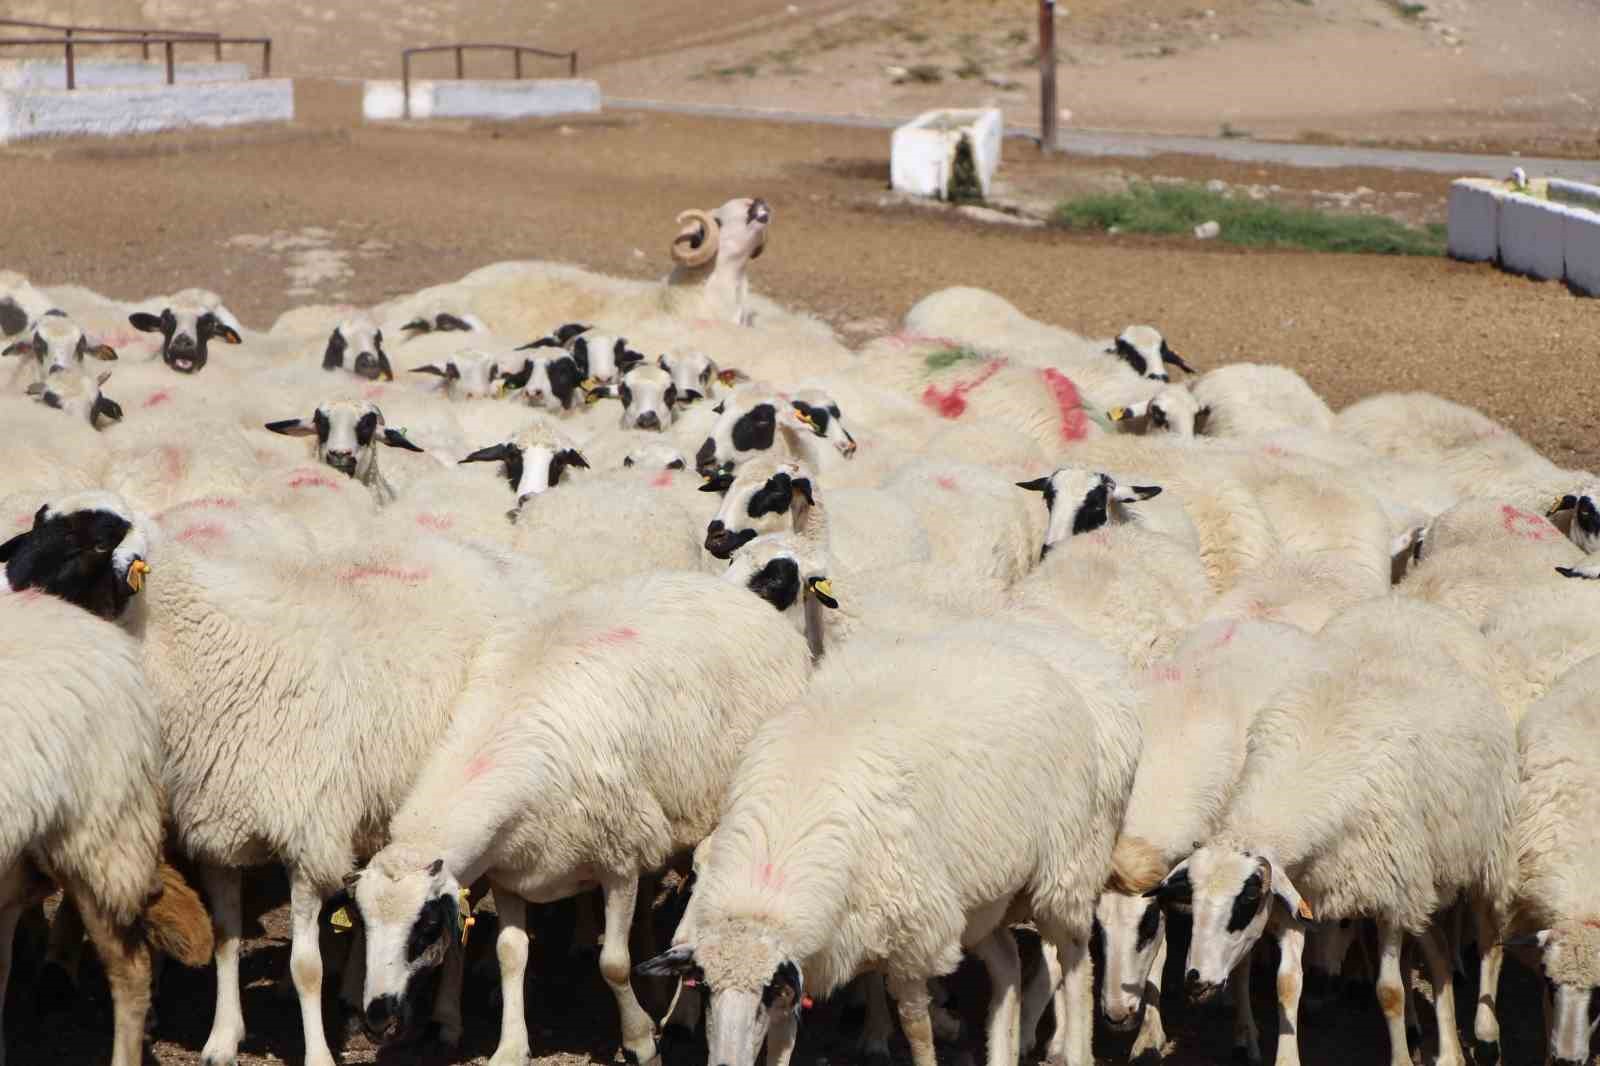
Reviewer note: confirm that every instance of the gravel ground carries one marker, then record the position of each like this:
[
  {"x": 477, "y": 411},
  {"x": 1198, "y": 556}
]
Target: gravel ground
[{"x": 321, "y": 213}]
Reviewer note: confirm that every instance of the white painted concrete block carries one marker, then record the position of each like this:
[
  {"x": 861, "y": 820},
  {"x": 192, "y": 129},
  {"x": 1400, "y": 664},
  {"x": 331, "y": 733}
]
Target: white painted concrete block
[
  {"x": 923, "y": 151},
  {"x": 111, "y": 112},
  {"x": 1576, "y": 193},
  {"x": 1532, "y": 237},
  {"x": 1581, "y": 245},
  {"x": 1474, "y": 227},
  {"x": 482, "y": 98},
  {"x": 106, "y": 73}
]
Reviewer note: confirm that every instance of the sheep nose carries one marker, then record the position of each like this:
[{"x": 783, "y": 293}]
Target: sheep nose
[
  {"x": 344, "y": 462},
  {"x": 183, "y": 343},
  {"x": 649, "y": 420},
  {"x": 382, "y": 1018}
]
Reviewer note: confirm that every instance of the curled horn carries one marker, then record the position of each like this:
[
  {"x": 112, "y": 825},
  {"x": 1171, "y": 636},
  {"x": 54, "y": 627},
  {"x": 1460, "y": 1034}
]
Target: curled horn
[{"x": 696, "y": 243}]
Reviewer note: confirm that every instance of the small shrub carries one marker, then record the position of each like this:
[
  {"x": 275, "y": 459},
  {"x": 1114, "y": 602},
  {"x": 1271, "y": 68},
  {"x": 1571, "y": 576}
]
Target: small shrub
[{"x": 925, "y": 74}]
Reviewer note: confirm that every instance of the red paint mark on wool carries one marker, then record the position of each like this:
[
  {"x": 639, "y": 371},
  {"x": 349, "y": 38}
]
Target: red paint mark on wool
[
  {"x": 662, "y": 480},
  {"x": 173, "y": 462},
  {"x": 952, "y": 402},
  {"x": 204, "y": 503},
  {"x": 374, "y": 392},
  {"x": 1227, "y": 635},
  {"x": 203, "y": 533},
  {"x": 157, "y": 398},
  {"x": 1172, "y": 675},
  {"x": 613, "y": 638},
  {"x": 946, "y": 482},
  {"x": 1275, "y": 450},
  {"x": 1525, "y": 525},
  {"x": 435, "y": 521},
  {"x": 301, "y": 481},
  {"x": 1074, "y": 423},
  {"x": 771, "y": 876},
  {"x": 479, "y": 766},
  {"x": 390, "y": 573}
]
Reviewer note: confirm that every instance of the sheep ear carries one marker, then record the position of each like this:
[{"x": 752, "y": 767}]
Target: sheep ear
[
  {"x": 1173, "y": 888},
  {"x": 674, "y": 962},
  {"x": 1572, "y": 571},
  {"x": 435, "y": 867},
  {"x": 417, "y": 325},
  {"x": 450, "y": 322},
  {"x": 1287, "y": 894},
  {"x": 1170, "y": 356},
  {"x": 396, "y": 438},
  {"x": 717, "y": 483},
  {"x": 145, "y": 322},
  {"x": 110, "y": 410},
  {"x": 1038, "y": 484},
  {"x": 628, "y": 461},
  {"x": 732, "y": 376},
  {"x": 1135, "y": 493},
  {"x": 435, "y": 371},
  {"x": 1201, "y": 417},
  {"x": 570, "y": 330},
  {"x": 229, "y": 334},
  {"x": 822, "y": 589},
  {"x": 293, "y": 427},
  {"x": 19, "y": 348},
  {"x": 802, "y": 485},
  {"x": 1565, "y": 503},
  {"x": 103, "y": 352},
  {"x": 495, "y": 453}
]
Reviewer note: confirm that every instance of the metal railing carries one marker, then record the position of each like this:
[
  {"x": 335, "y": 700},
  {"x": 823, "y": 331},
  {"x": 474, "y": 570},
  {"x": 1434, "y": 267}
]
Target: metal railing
[
  {"x": 517, "y": 51},
  {"x": 72, "y": 37}
]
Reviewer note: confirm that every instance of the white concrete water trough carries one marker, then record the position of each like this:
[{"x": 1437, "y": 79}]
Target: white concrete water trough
[
  {"x": 1544, "y": 229},
  {"x": 924, "y": 152},
  {"x": 499, "y": 98}
]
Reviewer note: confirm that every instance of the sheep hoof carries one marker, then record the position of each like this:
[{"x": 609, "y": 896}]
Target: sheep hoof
[
  {"x": 1414, "y": 1041},
  {"x": 1485, "y": 1053}
]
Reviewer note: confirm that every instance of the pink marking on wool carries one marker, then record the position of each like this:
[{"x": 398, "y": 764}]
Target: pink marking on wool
[
  {"x": 613, "y": 638},
  {"x": 204, "y": 532},
  {"x": 1227, "y": 636},
  {"x": 1172, "y": 675},
  {"x": 157, "y": 398},
  {"x": 952, "y": 403},
  {"x": 946, "y": 482},
  {"x": 393, "y": 573},
  {"x": 173, "y": 462},
  {"x": 300, "y": 481},
  {"x": 1100, "y": 538},
  {"x": 770, "y": 875},
  {"x": 374, "y": 392},
  {"x": 435, "y": 521},
  {"x": 1074, "y": 423},
  {"x": 662, "y": 480},
  {"x": 479, "y": 766},
  {"x": 1276, "y": 450},
  {"x": 28, "y": 595},
  {"x": 203, "y": 503},
  {"x": 23, "y": 522},
  {"x": 1527, "y": 526}
]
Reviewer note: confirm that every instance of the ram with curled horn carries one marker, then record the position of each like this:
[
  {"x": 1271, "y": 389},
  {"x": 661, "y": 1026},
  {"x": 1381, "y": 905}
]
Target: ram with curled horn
[{"x": 712, "y": 252}]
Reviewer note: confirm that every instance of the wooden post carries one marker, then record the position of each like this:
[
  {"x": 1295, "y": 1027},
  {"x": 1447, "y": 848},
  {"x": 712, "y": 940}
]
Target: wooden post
[
  {"x": 1047, "y": 76},
  {"x": 72, "y": 74}
]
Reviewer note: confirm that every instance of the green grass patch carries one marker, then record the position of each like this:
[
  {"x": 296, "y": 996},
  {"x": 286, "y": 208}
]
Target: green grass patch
[
  {"x": 945, "y": 358},
  {"x": 1178, "y": 209}
]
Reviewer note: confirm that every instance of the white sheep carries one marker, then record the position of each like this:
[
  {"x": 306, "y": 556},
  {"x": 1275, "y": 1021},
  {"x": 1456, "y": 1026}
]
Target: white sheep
[
  {"x": 1380, "y": 783},
  {"x": 549, "y": 378},
  {"x": 647, "y": 394},
  {"x": 1581, "y": 511},
  {"x": 1483, "y": 551},
  {"x": 82, "y": 792},
  {"x": 1198, "y": 709},
  {"x": 20, "y": 304},
  {"x": 713, "y": 252},
  {"x": 1238, "y": 400},
  {"x": 78, "y": 395},
  {"x": 188, "y": 322},
  {"x": 467, "y": 374},
  {"x": 1558, "y": 819},
  {"x": 533, "y": 460},
  {"x": 356, "y": 345},
  {"x": 347, "y": 434},
  {"x": 977, "y": 523},
  {"x": 1538, "y": 634},
  {"x": 797, "y": 892},
  {"x": 54, "y": 343},
  {"x": 633, "y": 702}
]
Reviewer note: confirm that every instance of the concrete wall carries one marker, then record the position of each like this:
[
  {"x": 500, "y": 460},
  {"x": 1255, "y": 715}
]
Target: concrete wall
[
  {"x": 1556, "y": 237},
  {"x": 30, "y": 113},
  {"x": 922, "y": 152},
  {"x": 485, "y": 98},
  {"x": 102, "y": 73}
]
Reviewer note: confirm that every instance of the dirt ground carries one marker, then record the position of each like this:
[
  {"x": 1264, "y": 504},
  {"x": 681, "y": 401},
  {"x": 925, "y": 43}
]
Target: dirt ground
[{"x": 1486, "y": 75}]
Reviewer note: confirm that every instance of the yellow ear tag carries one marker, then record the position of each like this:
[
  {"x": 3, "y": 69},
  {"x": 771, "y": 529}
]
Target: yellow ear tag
[
  {"x": 1305, "y": 910},
  {"x": 468, "y": 920},
  {"x": 825, "y": 587},
  {"x": 1117, "y": 414},
  {"x": 340, "y": 920}
]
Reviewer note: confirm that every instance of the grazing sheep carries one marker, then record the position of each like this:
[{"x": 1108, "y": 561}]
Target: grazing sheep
[
  {"x": 187, "y": 324},
  {"x": 632, "y": 703},
  {"x": 83, "y": 794},
  {"x": 1199, "y": 705},
  {"x": 356, "y": 345},
  {"x": 713, "y": 252},
  {"x": 1380, "y": 783},
  {"x": 1558, "y": 816},
  {"x": 347, "y": 435},
  {"x": 797, "y": 892}
]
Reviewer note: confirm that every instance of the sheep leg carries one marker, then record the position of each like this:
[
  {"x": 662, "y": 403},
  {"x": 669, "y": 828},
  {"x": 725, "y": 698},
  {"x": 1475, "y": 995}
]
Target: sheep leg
[
  {"x": 64, "y": 949},
  {"x": 1408, "y": 963},
  {"x": 1057, "y": 1051},
  {"x": 1152, "y": 1034},
  {"x": 1441, "y": 972},
  {"x": 1485, "y": 1022},
  {"x": 877, "y": 1030},
  {"x": 622, "y": 892},
  {"x": 1392, "y": 990},
  {"x": 1073, "y": 1042},
  {"x": 1246, "y": 1037},
  {"x": 305, "y": 965},
  {"x": 782, "y": 1030},
  {"x": 512, "y": 949},
  {"x": 227, "y": 1024},
  {"x": 8, "y": 930},
  {"x": 1291, "y": 950},
  {"x": 998, "y": 951},
  {"x": 126, "y": 960},
  {"x": 447, "y": 1000},
  {"x": 911, "y": 999},
  {"x": 1036, "y": 996}
]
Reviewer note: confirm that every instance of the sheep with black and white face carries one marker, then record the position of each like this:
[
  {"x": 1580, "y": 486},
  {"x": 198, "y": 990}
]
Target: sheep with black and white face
[
  {"x": 437, "y": 321},
  {"x": 764, "y": 498},
  {"x": 356, "y": 345},
  {"x": 1579, "y": 513},
  {"x": 187, "y": 325},
  {"x": 602, "y": 358},
  {"x": 469, "y": 374},
  {"x": 57, "y": 343},
  {"x": 347, "y": 434},
  {"x": 693, "y": 374},
  {"x": 818, "y": 412},
  {"x": 533, "y": 461},
  {"x": 647, "y": 394},
  {"x": 655, "y": 457},
  {"x": 747, "y": 423},
  {"x": 1145, "y": 350},
  {"x": 1081, "y": 501},
  {"x": 78, "y": 394},
  {"x": 549, "y": 378}
]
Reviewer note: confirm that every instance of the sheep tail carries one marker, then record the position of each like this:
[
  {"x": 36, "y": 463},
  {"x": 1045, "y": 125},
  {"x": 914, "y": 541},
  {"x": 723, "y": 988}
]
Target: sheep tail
[
  {"x": 176, "y": 922},
  {"x": 1136, "y": 865}
]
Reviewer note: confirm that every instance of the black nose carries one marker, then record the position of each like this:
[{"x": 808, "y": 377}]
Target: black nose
[
  {"x": 1191, "y": 978},
  {"x": 343, "y": 462},
  {"x": 649, "y": 420},
  {"x": 705, "y": 460},
  {"x": 183, "y": 343},
  {"x": 719, "y": 542},
  {"x": 367, "y": 366},
  {"x": 382, "y": 1018}
]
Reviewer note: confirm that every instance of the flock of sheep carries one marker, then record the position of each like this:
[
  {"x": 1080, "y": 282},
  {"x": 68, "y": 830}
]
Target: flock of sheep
[{"x": 575, "y": 578}]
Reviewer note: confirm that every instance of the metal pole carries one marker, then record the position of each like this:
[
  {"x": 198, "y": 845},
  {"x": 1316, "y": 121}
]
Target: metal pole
[
  {"x": 219, "y": 49},
  {"x": 572, "y": 65},
  {"x": 169, "y": 61},
  {"x": 461, "y": 69},
  {"x": 1047, "y": 76},
  {"x": 405, "y": 84},
  {"x": 516, "y": 55},
  {"x": 266, "y": 58},
  {"x": 144, "y": 44},
  {"x": 72, "y": 74}
]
